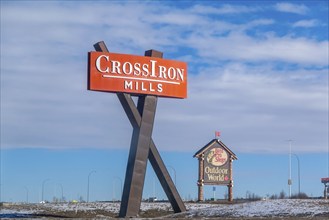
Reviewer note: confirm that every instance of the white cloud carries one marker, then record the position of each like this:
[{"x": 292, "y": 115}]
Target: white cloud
[
  {"x": 249, "y": 105},
  {"x": 306, "y": 23},
  {"x": 233, "y": 83},
  {"x": 239, "y": 46},
  {"x": 226, "y": 40},
  {"x": 223, "y": 9},
  {"x": 291, "y": 8}
]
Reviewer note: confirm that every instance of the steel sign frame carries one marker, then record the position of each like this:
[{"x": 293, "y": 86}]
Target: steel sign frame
[{"x": 142, "y": 148}]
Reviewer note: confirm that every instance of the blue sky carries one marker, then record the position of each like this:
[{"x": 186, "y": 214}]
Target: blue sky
[{"x": 257, "y": 72}]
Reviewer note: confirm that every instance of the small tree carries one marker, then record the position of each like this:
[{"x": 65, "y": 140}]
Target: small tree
[
  {"x": 300, "y": 195},
  {"x": 225, "y": 196},
  {"x": 247, "y": 194},
  {"x": 55, "y": 199},
  {"x": 81, "y": 199},
  {"x": 282, "y": 195}
]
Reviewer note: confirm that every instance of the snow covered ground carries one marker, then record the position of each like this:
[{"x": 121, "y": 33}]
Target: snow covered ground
[
  {"x": 259, "y": 209},
  {"x": 268, "y": 208}
]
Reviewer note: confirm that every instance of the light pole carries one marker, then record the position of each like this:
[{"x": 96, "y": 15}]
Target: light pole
[
  {"x": 154, "y": 190},
  {"x": 88, "y": 184},
  {"x": 174, "y": 174},
  {"x": 27, "y": 194},
  {"x": 43, "y": 187},
  {"x": 116, "y": 177},
  {"x": 298, "y": 174},
  {"x": 289, "y": 180},
  {"x": 62, "y": 192}
]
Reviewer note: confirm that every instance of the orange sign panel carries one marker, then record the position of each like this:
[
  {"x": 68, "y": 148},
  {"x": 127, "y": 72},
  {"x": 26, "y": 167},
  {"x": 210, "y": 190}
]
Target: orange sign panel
[{"x": 112, "y": 72}]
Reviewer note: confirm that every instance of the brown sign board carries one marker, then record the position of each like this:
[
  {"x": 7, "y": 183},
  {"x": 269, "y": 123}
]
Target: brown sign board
[
  {"x": 325, "y": 180},
  {"x": 113, "y": 72},
  {"x": 217, "y": 166}
]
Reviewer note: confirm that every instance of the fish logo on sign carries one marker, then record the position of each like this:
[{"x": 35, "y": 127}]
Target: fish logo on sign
[{"x": 217, "y": 157}]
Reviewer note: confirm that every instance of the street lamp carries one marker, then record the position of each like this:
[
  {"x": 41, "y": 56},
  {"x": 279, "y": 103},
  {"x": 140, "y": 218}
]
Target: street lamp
[
  {"x": 289, "y": 180},
  {"x": 27, "y": 194},
  {"x": 116, "y": 177},
  {"x": 298, "y": 173},
  {"x": 88, "y": 184},
  {"x": 174, "y": 173},
  {"x": 61, "y": 200},
  {"x": 43, "y": 187},
  {"x": 154, "y": 189}
]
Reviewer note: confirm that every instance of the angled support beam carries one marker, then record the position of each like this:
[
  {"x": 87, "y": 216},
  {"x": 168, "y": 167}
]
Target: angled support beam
[
  {"x": 137, "y": 161},
  {"x": 142, "y": 147}
]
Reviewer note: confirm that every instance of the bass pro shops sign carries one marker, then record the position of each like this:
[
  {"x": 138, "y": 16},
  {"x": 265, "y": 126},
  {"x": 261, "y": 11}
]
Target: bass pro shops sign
[
  {"x": 215, "y": 167},
  {"x": 112, "y": 72}
]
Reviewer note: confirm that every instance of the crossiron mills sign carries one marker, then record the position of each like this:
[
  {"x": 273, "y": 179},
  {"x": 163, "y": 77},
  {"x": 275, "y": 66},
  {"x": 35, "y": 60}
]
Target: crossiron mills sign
[
  {"x": 147, "y": 77},
  {"x": 113, "y": 72}
]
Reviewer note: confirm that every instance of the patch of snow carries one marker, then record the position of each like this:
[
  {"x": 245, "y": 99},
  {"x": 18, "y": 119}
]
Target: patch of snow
[{"x": 268, "y": 208}]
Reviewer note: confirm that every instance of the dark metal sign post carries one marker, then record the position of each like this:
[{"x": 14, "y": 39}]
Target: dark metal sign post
[{"x": 142, "y": 148}]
